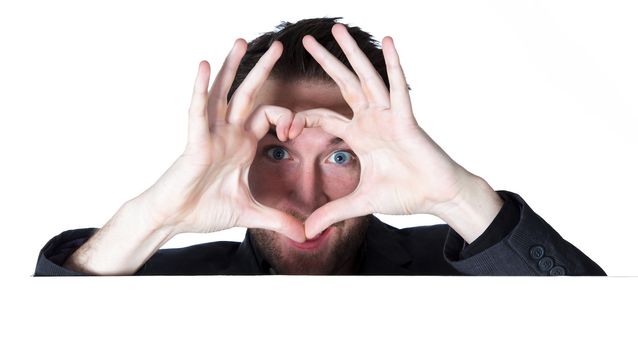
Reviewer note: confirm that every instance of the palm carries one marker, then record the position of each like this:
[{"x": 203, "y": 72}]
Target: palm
[{"x": 221, "y": 165}]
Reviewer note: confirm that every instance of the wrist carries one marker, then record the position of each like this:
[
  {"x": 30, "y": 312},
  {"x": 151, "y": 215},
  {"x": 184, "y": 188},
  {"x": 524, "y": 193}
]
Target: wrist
[
  {"x": 150, "y": 216},
  {"x": 472, "y": 209}
]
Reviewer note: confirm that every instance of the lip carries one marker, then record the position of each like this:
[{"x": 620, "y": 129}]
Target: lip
[{"x": 315, "y": 242}]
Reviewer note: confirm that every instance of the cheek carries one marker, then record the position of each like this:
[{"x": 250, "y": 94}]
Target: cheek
[
  {"x": 267, "y": 180},
  {"x": 340, "y": 181}
]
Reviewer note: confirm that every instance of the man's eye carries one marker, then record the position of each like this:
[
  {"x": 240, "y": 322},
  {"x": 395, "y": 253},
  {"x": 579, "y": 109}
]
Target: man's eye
[
  {"x": 340, "y": 157},
  {"x": 278, "y": 153}
]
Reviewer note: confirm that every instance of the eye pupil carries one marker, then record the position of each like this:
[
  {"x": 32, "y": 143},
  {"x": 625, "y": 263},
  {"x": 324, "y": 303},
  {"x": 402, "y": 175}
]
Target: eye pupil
[
  {"x": 278, "y": 153},
  {"x": 340, "y": 157}
]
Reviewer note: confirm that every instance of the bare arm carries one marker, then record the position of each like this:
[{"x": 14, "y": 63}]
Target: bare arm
[{"x": 123, "y": 244}]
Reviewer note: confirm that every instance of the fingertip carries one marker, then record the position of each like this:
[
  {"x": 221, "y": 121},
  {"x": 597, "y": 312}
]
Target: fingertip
[
  {"x": 203, "y": 74},
  {"x": 203, "y": 65},
  {"x": 312, "y": 234},
  {"x": 295, "y": 232},
  {"x": 292, "y": 132},
  {"x": 240, "y": 43},
  {"x": 390, "y": 53},
  {"x": 311, "y": 231},
  {"x": 239, "y": 48},
  {"x": 299, "y": 239},
  {"x": 307, "y": 39},
  {"x": 281, "y": 135},
  {"x": 277, "y": 47},
  {"x": 338, "y": 27},
  {"x": 297, "y": 126},
  {"x": 286, "y": 134}
]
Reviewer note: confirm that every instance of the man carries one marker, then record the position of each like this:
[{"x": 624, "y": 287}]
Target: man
[{"x": 303, "y": 135}]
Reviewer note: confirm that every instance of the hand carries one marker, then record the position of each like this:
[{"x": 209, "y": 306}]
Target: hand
[
  {"x": 403, "y": 171},
  {"x": 206, "y": 189}
]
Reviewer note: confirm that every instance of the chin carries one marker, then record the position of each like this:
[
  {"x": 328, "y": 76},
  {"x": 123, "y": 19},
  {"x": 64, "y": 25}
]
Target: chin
[{"x": 331, "y": 252}]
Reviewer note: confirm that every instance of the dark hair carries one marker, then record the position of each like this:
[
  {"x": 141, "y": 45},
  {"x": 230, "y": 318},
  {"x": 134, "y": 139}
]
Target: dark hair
[{"x": 295, "y": 62}]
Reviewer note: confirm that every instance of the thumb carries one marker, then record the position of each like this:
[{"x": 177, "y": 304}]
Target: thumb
[
  {"x": 261, "y": 216},
  {"x": 350, "y": 206}
]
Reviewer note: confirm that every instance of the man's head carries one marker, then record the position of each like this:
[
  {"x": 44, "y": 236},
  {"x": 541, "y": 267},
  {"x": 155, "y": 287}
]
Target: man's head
[{"x": 315, "y": 168}]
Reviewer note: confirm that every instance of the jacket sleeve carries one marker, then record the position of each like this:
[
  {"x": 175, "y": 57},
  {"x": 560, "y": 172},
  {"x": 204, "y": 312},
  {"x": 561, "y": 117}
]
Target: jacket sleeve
[
  {"x": 58, "y": 249},
  {"x": 531, "y": 248}
]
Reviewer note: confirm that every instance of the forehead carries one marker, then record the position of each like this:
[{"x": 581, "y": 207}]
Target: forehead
[{"x": 302, "y": 95}]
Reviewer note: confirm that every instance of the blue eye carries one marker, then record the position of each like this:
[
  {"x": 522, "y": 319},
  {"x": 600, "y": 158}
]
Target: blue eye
[
  {"x": 340, "y": 157},
  {"x": 278, "y": 153}
]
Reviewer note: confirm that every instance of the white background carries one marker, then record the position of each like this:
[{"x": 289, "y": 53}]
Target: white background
[{"x": 537, "y": 97}]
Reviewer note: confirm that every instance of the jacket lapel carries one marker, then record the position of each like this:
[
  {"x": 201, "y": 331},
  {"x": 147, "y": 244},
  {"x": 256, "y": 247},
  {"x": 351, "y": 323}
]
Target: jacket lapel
[{"x": 383, "y": 254}]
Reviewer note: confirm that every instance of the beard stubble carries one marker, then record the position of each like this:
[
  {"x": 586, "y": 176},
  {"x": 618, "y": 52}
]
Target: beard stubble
[{"x": 335, "y": 256}]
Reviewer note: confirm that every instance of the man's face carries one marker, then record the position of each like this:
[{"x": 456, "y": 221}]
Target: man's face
[{"x": 298, "y": 176}]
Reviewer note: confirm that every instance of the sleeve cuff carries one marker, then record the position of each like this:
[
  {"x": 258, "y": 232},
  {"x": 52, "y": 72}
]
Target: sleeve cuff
[
  {"x": 532, "y": 247},
  {"x": 58, "y": 249},
  {"x": 501, "y": 226}
]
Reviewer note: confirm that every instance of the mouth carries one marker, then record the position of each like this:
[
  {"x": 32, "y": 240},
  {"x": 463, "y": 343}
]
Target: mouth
[{"x": 315, "y": 242}]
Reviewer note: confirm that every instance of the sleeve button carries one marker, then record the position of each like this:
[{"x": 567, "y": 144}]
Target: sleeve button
[
  {"x": 557, "y": 271},
  {"x": 537, "y": 252},
  {"x": 546, "y": 263}
]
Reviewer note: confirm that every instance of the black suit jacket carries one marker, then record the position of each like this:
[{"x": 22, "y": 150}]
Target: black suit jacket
[{"x": 530, "y": 246}]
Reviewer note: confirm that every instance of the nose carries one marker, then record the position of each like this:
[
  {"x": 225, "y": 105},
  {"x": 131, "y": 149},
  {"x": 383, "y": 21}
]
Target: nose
[{"x": 308, "y": 190}]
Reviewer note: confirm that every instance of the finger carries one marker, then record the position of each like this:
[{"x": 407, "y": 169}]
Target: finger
[
  {"x": 197, "y": 114},
  {"x": 261, "y": 216},
  {"x": 346, "y": 80},
  {"x": 326, "y": 119},
  {"x": 241, "y": 104},
  {"x": 347, "y": 207},
  {"x": 372, "y": 83},
  {"x": 298, "y": 123},
  {"x": 399, "y": 93},
  {"x": 264, "y": 116},
  {"x": 218, "y": 96},
  {"x": 283, "y": 124}
]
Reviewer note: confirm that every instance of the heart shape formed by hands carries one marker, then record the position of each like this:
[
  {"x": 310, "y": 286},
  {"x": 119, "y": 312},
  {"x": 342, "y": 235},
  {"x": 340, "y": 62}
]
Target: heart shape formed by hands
[
  {"x": 297, "y": 170},
  {"x": 402, "y": 170}
]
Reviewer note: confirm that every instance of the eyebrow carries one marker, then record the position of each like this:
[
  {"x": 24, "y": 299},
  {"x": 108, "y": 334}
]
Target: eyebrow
[{"x": 335, "y": 141}]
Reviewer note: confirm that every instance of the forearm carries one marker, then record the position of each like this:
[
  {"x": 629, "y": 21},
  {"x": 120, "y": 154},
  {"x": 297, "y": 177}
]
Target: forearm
[
  {"x": 123, "y": 244},
  {"x": 472, "y": 210}
]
